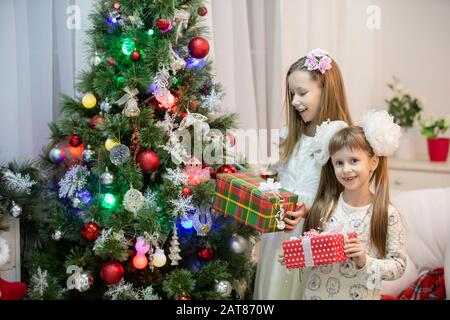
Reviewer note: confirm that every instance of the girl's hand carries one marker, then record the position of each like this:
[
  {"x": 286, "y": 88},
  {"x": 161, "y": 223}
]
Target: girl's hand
[
  {"x": 355, "y": 249},
  {"x": 295, "y": 217},
  {"x": 281, "y": 258}
]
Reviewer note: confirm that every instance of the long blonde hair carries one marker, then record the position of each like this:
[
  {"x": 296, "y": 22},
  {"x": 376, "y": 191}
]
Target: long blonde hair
[
  {"x": 327, "y": 197},
  {"x": 333, "y": 104}
]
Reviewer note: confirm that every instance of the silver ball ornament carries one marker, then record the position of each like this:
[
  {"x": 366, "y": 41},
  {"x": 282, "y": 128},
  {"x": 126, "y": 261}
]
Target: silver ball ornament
[
  {"x": 57, "y": 235},
  {"x": 86, "y": 281},
  {"x": 76, "y": 203},
  {"x": 224, "y": 288},
  {"x": 119, "y": 154},
  {"x": 238, "y": 244},
  {"x": 88, "y": 155},
  {"x": 107, "y": 178},
  {"x": 96, "y": 60},
  {"x": 56, "y": 155},
  {"x": 16, "y": 210},
  {"x": 105, "y": 106}
]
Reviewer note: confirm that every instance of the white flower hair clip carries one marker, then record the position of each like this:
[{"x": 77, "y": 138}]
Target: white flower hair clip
[
  {"x": 321, "y": 140},
  {"x": 381, "y": 132}
]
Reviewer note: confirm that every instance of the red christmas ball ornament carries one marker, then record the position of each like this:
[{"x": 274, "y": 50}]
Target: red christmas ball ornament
[
  {"x": 149, "y": 161},
  {"x": 206, "y": 254},
  {"x": 226, "y": 168},
  {"x": 198, "y": 47},
  {"x": 186, "y": 192},
  {"x": 96, "y": 121},
  {"x": 205, "y": 91},
  {"x": 75, "y": 141},
  {"x": 111, "y": 60},
  {"x": 90, "y": 231},
  {"x": 116, "y": 5},
  {"x": 112, "y": 272},
  {"x": 183, "y": 298},
  {"x": 135, "y": 55},
  {"x": 202, "y": 11},
  {"x": 162, "y": 24}
]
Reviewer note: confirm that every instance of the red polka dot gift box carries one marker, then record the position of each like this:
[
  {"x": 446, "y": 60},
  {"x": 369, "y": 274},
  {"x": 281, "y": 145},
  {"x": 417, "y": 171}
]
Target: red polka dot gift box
[{"x": 316, "y": 249}]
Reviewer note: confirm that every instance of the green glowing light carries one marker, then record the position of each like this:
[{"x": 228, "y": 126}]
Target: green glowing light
[
  {"x": 120, "y": 80},
  {"x": 109, "y": 201},
  {"x": 128, "y": 46},
  {"x": 151, "y": 32}
]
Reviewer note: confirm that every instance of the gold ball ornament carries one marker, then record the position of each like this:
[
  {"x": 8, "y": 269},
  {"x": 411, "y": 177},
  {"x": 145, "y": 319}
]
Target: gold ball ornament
[
  {"x": 159, "y": 258},
  {"x": 89, "y": 101},
  {"x": 111, "y": 143}
]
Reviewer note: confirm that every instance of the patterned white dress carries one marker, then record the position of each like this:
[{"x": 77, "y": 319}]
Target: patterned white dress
[
  {"x": 345, "y": 281},
  {"x": 301, "y": 175}
]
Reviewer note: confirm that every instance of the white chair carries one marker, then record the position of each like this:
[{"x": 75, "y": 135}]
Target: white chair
[{"x": 427, "y": 218}]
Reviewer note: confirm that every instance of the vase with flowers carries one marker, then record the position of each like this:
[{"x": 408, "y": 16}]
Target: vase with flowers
[
  {"x": 404, "y": 108},
  {"x": 433, "y": 128}
]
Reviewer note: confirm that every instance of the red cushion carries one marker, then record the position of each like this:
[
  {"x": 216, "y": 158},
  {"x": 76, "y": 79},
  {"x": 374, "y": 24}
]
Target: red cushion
[
  {"x": 12, "y": 290},
  {"x": 388, "y": 297}
]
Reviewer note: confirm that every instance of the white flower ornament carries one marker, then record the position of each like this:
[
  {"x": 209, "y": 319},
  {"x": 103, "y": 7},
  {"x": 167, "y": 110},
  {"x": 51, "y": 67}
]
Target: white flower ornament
[
  {"x": 321, "y": 140},
  {"x": 381, "y": 132}
]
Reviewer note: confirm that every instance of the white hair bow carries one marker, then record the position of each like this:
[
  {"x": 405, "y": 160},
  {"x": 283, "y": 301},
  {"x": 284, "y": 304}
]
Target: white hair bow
[
  {"x": 382, "y": 132},
  {"x": 321, "y": 140}
]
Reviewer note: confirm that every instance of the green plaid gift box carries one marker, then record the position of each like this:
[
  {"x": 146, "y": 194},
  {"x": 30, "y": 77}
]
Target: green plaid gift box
[{"x": 237, "y": 195}]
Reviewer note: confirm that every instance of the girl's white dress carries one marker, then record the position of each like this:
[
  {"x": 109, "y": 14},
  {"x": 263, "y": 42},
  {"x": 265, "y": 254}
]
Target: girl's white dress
[
  {"x": 344, "y": 281},
  {"x": 301, "y": 174}
]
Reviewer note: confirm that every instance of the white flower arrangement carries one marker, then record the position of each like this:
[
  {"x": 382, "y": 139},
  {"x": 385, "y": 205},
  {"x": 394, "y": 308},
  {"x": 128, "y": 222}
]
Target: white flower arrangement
[
  {"x": 431, "y": 126},
  {"x": 381, "y": 132}
]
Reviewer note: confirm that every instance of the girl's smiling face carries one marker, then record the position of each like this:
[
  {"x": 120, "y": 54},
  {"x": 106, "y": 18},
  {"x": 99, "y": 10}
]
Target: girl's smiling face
[
  {"x": 306, "y": 94},
  {"x": 353, "y": 168}
]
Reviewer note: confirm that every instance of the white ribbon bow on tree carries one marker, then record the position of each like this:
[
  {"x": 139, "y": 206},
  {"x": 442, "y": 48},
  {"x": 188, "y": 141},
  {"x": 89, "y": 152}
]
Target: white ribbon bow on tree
[
  {"x": 131, "y": 109},
  {"x": 195, "y": 119},
  {"x": 181, "y": 18}
]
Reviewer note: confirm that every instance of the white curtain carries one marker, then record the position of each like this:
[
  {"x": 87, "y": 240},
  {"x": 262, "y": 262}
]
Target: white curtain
[
  {"x": 39, "y": 60},
  {"x": 247, "y": 53}
]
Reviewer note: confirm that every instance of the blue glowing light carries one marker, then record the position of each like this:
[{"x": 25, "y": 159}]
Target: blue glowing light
[
  {"x": 85, "y": 196},
  {"x": 152, "y": 88},
  {"x": 192, "y": 63},
  {"x": 186, "y": 223}
]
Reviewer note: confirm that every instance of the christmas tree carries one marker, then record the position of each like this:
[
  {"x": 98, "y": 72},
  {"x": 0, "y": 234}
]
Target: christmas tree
[{"x": 128, "y": 205}]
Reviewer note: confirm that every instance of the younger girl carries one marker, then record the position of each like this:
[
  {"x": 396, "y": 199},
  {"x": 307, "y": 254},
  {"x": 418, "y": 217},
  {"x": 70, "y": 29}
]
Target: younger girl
[
  {"x": 344, "y": 199},
  {"x": 314, "y": 93}
]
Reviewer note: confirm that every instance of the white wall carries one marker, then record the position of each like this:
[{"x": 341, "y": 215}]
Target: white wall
[{"x": 412, "y": 43}]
